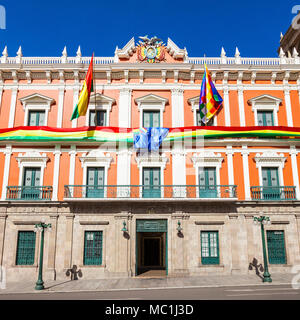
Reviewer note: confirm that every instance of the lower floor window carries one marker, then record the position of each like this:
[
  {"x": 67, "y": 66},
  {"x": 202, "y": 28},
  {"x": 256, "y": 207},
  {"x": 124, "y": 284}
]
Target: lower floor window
[
  {"x": 25, "y": 248},
  {"x": 93, "y": 248},
  {"x": 276, "y": 247},
  {"x": 210, "y": 247}
]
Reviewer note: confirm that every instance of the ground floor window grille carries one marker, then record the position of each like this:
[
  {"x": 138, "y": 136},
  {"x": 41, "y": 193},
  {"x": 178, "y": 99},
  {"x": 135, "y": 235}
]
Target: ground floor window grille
[
  {"x": 93, "y": 248},
  {"x": 210, "y": 247},
  {"x": 276, "y": 247},
  {"x": 26, "y": 248}
]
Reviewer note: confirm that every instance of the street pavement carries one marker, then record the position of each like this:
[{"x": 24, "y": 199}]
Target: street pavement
[{"x": 204, "y": 287}]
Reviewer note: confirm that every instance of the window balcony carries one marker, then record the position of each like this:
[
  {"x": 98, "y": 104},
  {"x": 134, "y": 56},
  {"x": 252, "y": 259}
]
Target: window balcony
[
  {"x": 157, "y": 192},
  {"x": 273, "y": 193},
  {"x": 43, "y": 193}
]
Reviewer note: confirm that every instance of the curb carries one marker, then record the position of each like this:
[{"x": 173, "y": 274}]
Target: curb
[{"x": 47, "y": 291}]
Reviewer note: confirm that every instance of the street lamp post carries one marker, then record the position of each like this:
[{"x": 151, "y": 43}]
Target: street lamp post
[
  {"x": 41, "y": 227},
  {"x": 264, "y": 220}
]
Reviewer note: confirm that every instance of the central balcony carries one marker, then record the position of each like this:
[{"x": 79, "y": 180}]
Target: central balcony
[{"x": 158, "y": 192}]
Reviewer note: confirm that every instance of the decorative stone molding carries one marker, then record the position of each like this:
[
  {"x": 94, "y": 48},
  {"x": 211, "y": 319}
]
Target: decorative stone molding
[
  {"x": 209, "y": 223},
  {"x": 270, "y": 158},
  {"x": 211, "y": 159},
  {"x": 265, "y": 103},
  {"x": 96, "y": 158},
  {"x": 94, "y": 223},
  {"x": 36, "y": 102},
  {"x": 152, "y": 161},
  {"x": 175, "y": 51},
  {"x": 100, "y": 102},
  {"x": 126, "y": 51}
]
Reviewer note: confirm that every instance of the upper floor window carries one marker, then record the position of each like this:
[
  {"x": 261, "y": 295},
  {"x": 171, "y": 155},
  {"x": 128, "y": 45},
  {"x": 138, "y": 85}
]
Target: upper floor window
[
  {"x": 151, "y": 119},
  {"x": 199, "y": 122},
  {"x": 36, "y": 107},
  {"x": 151, "y": 108},
  {"x": 265, "y": 110},
  {"x": 36, "y": 118},
  {"x": 98, "y": 118},
  {"x": 99, "y": 109},
  {"x": 265, "y": 118},
  {"x": 194, "y": 102}
]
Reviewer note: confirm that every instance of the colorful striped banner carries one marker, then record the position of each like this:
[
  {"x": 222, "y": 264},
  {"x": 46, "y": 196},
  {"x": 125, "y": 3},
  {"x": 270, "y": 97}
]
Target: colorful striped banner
[{"x": 111, "y": 134}]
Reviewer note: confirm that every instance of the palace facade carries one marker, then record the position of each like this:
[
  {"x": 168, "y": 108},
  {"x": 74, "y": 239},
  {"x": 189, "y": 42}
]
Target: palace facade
[{"x": 116, "y": 212}]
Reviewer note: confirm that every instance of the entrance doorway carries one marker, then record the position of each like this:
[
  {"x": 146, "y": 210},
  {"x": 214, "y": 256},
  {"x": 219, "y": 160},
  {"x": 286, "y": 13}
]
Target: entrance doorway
[{"x": 151, "y": 248}]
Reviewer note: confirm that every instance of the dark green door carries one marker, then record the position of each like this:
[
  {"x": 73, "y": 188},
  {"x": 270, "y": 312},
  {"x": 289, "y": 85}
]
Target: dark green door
[
  {"x": 151, "y": 119},
  {"x": 207, "y": 183},
  {"x": 95, "y": 183},
  {"x": 31, "y": 184},
  {"x": 276, "y": 247},
  {"x": 271, "y": 190},
  {"x": 151, "y": 183}
]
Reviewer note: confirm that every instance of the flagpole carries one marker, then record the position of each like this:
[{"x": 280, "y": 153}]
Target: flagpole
[{"x": 94, "y": 85}]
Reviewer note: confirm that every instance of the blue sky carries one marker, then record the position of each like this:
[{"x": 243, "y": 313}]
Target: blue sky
[{"x": 43, "y": 28}]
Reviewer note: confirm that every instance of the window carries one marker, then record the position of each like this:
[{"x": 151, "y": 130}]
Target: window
[
  {"x": 95, "y": 182},
  {"x": 36, "y": 118},
  {"x": 276, "y": 247},
  {"x": 200, "y": 123},
  {"x": 151, "y": 183},
  {"x": 210, "y": 247},
  {"x": 25, "y": 248},
  {"x": 97, "y": 118},
  {"x": 265, "y": 118},
  {"x": 93, "y": 248},
  {"x": 151, "y": 119}
]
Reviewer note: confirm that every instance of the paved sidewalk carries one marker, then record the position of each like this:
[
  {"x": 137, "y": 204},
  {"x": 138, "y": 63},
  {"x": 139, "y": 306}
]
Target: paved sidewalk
[{"x": 144, "y": 283}]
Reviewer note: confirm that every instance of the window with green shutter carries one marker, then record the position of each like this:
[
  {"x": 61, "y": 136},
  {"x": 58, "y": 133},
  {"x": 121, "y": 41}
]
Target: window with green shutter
[
  {"x": 25, "y": 248},
  {"x": 210, "y": 247},
  {"x": 93, "y": 248},
  {"x": 276, "y": 247},
  {"x": 151, "y": 119},
  {"x": 265, "y": 118},
  {"x": 36, "y": 118},
  {"x": 98, "y": 118}
]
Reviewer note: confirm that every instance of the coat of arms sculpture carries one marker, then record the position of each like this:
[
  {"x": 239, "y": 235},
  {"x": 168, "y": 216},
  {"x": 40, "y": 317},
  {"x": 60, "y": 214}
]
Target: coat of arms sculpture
[{"x": 151, "y": 50}]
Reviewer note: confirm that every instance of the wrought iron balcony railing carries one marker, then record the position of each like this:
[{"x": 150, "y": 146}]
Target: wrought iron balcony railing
[
  {"x": 150, "y": 192},
  {"x": 273, "y": 193},
  {"x": 43, "y": 193}
]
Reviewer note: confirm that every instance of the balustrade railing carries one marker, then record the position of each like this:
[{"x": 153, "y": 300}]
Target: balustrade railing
[
  {"x": 273, "y": 193},
  {"x": 25, "y": 193},
  {"x": 150, "y": 192}
]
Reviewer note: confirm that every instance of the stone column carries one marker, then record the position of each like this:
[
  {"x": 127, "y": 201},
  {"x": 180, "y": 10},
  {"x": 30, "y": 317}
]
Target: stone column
[
  {"x": 69, "y": 241},
  {"x": 177, "y": 108},
  {"x": 245, "y": 154},
  {"x": 235, "y": 253},
  {"x": 60, "y": 109},
  {"x": 7, "y": 153},
  {"x": 11, "y": 120},
  {"x": 230, "y": 155},
  {"x": 3, "y": 217},
  {"x": 52, "y": 245},
  {"x": 288, "y": 107},
  {"x": 57, "y": 155},
  {"x": 241, "y": 106},
  {"x": 179, "y": 172},
  {"x": 125, "y": 108},
  {"x": 293, "y": 154},
  {"x": 226, "y": 106}
]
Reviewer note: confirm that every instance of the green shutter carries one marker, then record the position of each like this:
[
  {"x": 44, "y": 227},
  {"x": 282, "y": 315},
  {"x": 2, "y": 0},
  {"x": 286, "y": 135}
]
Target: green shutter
[
  {"x": 151, "y": 119},
  {"x": 95, "y": 182},
  {"x": 276, "y": 247},
  {"x": 151, "y": 183},
  {"x": 265, "y": 118},
  {"x": 93, "y": 248},
  {"x": 207, "y": 183},
  {"x": 36, "y": 118},
  {"x": 210, "y": 247},
  {"x": 25, "y": 248}
]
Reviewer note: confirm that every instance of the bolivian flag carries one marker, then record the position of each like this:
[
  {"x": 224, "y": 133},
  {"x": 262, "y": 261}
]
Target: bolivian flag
[{"x": 84, "y": 97}]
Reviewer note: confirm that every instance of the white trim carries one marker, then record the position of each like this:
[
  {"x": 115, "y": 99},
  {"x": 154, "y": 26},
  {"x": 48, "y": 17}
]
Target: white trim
[
  {"x": 125, "y": 107},
  {"x": 270, "y": 159},
  {"x": 226, "y": 106},
  {"x": 97, "y": 159},
  {"x": 60, "y": 109},
  {"x": 8, "y": 153},
  {"x": 265, "y": 103},
  {"x": 177, "y": 107},
  {"x": 288, "y": 105},
  {"x": 72, "y": 154},
  {"x": 230, "y": 154},
  {"x": 241, "y": 106},
  {"x": 32, "y": 159},
  {"x": 75, "y": 101},
  {"x": 102, "y": 103},
  {"x": 124, "y": 172},
  {"x": 293, "y": 153},
  {"x": 57, "y": 153},
  {"x": 151, "y": 102},
  {"x": 11, "y": 120},
  {"x": 245, "y": 154},
  {"x": 36, "y": 102}
]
